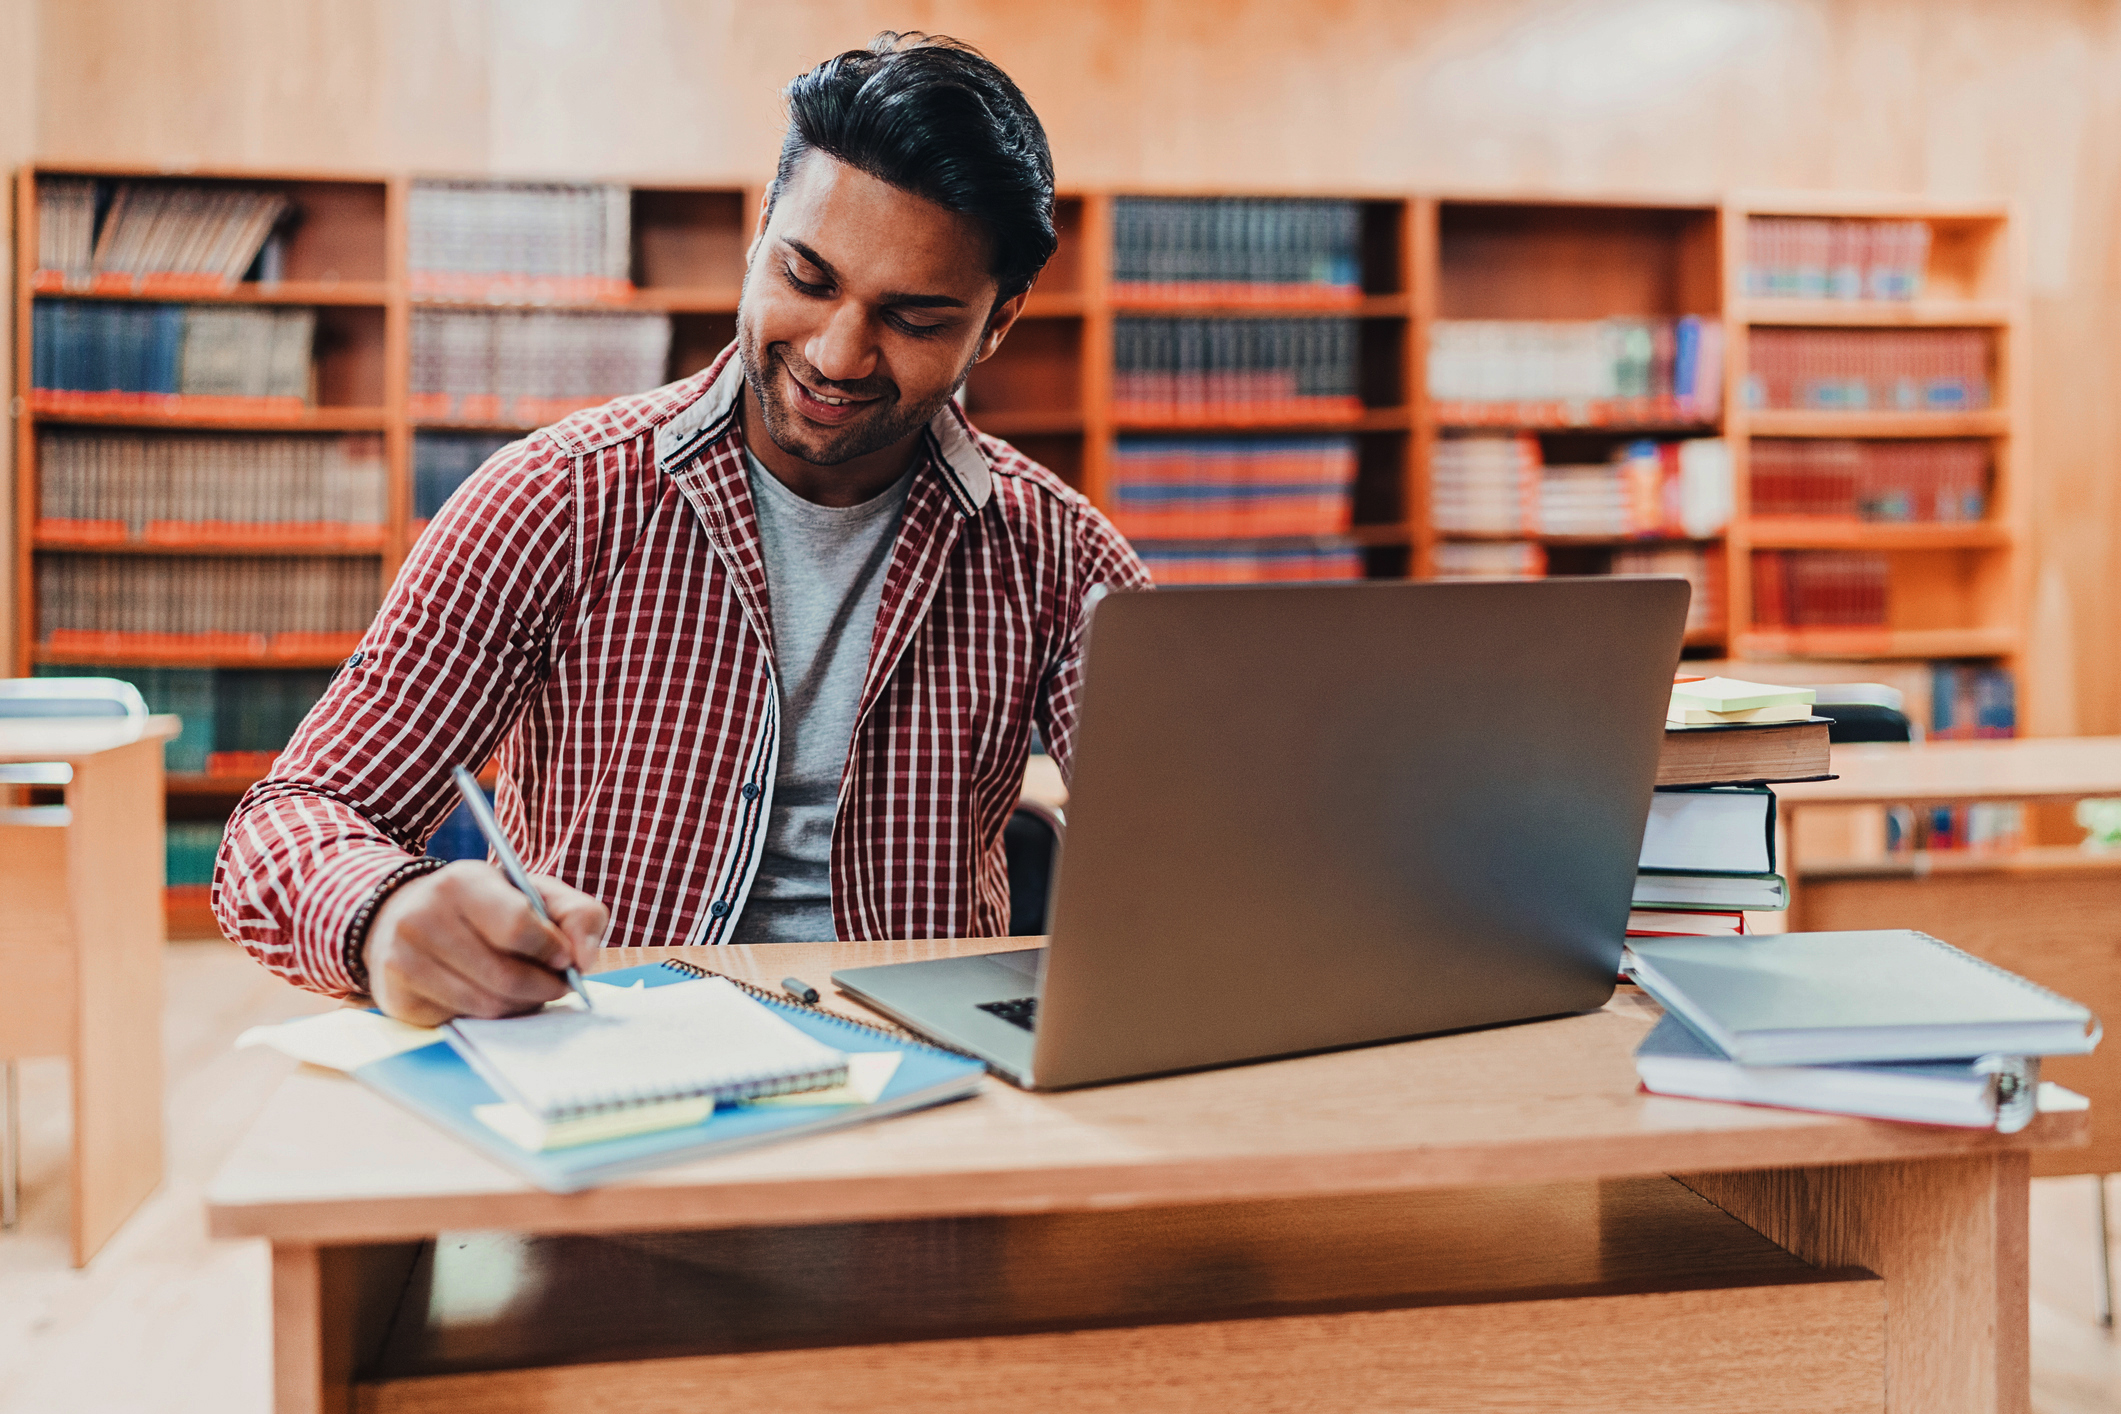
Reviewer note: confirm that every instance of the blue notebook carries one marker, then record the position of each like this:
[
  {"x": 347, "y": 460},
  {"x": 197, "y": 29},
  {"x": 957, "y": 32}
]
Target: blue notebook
[{"x": 435, "y": 1083}]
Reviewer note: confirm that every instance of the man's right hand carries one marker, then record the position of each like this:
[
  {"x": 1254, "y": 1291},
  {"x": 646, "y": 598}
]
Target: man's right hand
[{"x": 462, "y": 942}]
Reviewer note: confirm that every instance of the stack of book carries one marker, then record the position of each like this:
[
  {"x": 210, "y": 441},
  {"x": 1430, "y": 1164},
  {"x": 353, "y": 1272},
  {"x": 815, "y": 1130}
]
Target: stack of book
[
  {"x": 236, "y": 720},
  {"x": 1881, "y": 481},
  {"x": 525, "y": 368},
  {"x": 98, "y": 356},
  {"x": 1485, "y": 484},
  {"x": 1491, "y": 559},
  {"x": 1708, "y": 850},
  {"x": 1499, "y": 484},
  {"x": 185, "y": 608},
  {"x": 1868, "y": 370},
  {"x": 1236, "y": 250},
  {"x": 1233, "y": 487},
  {"x": 520, "y": 242},
  {"x": 1251, "y": 562},
  {"x": 1575, "y": 373},
  {"x": 161, "y": 488},
  {"x": 1820, "y": 589},
  {"x": 1241, "y": 372},
  {"x": 1889, "y": 1024},
  {"x": 162, "y": 238},
  {"x": 1701, "y": 567},
  {"x": 1794, "y": 258},
  {"x": 443, "y": 461}
]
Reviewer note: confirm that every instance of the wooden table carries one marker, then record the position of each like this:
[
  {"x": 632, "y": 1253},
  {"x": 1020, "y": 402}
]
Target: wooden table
[
  {"x": 1477, "y": 1221},
  {"x": 81, "y": 950},
  {"x": 2051, "y": 913}
]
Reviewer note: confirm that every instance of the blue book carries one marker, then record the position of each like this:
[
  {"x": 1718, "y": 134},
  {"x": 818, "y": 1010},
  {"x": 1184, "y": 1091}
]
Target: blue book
[{"x": 436, "y": 1083}]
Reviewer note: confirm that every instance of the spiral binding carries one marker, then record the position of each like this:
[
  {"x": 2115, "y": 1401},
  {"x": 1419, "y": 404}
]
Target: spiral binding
[
  {"x": 773, "y": 998},
  {"x": 2098, "y": 1026}
]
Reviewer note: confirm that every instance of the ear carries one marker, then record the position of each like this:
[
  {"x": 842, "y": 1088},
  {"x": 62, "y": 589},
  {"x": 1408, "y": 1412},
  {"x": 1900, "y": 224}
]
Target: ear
[
  {"x": 758, "y": 232},
  {"x": 998, "y": 325}
]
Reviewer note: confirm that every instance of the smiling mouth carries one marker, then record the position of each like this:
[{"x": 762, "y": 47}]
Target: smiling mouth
[{"x": 833, "y": 401}]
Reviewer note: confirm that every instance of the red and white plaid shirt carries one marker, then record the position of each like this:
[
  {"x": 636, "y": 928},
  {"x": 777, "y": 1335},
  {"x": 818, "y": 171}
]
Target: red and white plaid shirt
[{"x": 592, "y": 604}]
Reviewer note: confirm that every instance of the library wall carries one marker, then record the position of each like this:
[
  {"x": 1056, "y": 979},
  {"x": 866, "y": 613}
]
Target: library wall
[{"x": 1663, "y": 98}]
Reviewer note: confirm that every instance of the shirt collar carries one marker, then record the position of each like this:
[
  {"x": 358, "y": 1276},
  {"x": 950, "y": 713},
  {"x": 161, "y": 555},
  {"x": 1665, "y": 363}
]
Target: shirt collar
[{"x": 948, "y": 437}]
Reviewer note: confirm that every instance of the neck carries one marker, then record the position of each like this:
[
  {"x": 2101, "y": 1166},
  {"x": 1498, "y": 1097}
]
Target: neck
[{"x": 848, "y": 484}]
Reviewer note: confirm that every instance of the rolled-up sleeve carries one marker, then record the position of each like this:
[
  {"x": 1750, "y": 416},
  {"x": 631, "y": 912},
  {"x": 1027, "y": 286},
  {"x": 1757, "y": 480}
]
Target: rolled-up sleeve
[
  {"x": 1099, "y": 555},
  {"x": 458, "y": 648}
]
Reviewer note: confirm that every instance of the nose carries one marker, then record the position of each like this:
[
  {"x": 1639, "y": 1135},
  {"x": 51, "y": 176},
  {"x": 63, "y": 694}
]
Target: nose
[{"x": 843, "y": 348}]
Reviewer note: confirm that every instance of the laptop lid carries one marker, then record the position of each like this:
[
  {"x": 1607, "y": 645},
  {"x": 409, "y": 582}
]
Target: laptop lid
[{"x": 1314, "y": 816}]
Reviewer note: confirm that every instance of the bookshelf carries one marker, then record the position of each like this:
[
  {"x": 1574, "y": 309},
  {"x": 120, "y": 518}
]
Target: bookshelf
[{"x": 1423, "y": 264}]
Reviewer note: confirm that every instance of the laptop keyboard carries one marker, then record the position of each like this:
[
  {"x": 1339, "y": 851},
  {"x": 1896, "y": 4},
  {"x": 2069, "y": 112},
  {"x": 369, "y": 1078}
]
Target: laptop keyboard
[{"x": 1021, "y": 1012}]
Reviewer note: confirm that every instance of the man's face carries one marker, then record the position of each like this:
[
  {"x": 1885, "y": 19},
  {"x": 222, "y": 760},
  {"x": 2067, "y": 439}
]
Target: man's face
[{"x": 864, "y": 307}]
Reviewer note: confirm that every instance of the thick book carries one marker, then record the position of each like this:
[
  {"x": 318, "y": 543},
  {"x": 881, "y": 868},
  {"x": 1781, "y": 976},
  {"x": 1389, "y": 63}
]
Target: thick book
[
  {"x": 1659, "y": 889},
  {"x": 1982, "y": 1092},
  {"x": 1834, "y": 998},
  {"x": 1745, "y": 754},
  {"x": 1727, "y": 830},
  {"x": 434, "y": 1082}
]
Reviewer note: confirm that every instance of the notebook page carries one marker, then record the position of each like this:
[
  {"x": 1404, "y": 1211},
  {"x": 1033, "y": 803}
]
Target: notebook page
[{"x": 654, "y": 1043}]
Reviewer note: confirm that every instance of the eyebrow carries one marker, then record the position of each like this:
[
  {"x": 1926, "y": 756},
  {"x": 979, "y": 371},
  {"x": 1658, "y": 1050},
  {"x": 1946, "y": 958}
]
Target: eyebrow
[{"x": 891, "y": 297}]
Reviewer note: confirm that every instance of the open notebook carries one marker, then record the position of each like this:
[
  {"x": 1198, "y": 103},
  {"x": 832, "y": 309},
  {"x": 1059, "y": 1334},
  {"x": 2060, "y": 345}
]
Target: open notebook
[{"x": 644, "y": 1047}]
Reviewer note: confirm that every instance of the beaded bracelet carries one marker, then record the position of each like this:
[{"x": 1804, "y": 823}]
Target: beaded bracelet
[{"x": 364, "y": 919}]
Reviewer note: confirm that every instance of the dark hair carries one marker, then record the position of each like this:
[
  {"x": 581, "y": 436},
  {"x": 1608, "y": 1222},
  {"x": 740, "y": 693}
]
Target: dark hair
[{"x": 936, "y": 118}]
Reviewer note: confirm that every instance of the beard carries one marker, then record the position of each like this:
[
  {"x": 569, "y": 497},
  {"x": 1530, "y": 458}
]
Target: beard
[{"x": 889, "y": 421}]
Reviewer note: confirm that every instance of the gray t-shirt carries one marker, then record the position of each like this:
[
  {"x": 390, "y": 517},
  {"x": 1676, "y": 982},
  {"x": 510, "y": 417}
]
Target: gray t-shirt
[{"x": 824, "y": 579}]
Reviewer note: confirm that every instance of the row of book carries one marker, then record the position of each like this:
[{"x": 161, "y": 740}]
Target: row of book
[
  {"x": 187, "y": 607},
  {"x": 1490, "y": 559},
  {"x": 1979, "y": 827},
  {"x": 1869, "y": 370},
  {"x": 1802, "y": 258},
  {"x": 443, "y": 461},
  {"x": 1235, "y": 371},
  {"x": 236, "y": 720},
  {"x": 1251, "y": 561},
  {"x": 152, "y": 237},
  {"x": 183, "y": 488},
  {"x": 1500, "y": 484},
  {"x": 1702, "y": 568},
  {"x": 1971, "y": 701},
  {"x": 1916, "y": 481},
  {"x": 516, "y": 242},
  {"x": 96, "y": 355},
  {"x": 189, "y": 850},
  {"x": 1820, "y": 589},
  {"x": 1583, "y": 372},
  {"x": 1236, "y": 250},
  {"x": 528, "y": 367},
  {"x": 1236, "y": 488}
]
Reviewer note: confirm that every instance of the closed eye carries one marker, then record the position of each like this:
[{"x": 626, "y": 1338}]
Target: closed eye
[{"x": 800, "y": 285}]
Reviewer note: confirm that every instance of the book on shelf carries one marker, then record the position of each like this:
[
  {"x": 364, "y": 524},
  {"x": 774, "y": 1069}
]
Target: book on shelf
[
  {"x": 1702, "y": 567},
  {"x": 1319, "y": 558},
  {"x": 1853, "y": 997},
  {"x": 153, "y": 237},
  {"x": 1821, "y": 589},
  {"x": 188, "y": 850},
  {"x": 1739, "y": 755},
  {"x": 1983, "y": 1092},
  {"x": 1501, "y": 483},
  {"x": 1575, "y": 373},
  {"x": 443, "y": 461},
  {"x": 528, "y": 242},
  {"x": 1236, "y": 251},
  {"x": 206, "y": 360},
  {"x": 196, "y": 488},
  {"x": 1490, "y": 559},
  {"x": 1868, "y": 370},
  {"x": 1233, "y": 488},
  {"x": 236, "y": 720},
  {"x": 188, "y": 607},
  {"x": 1206, "y": 371},
  {"x": 529, "y": 367},
  {"x": 1928, "y": 482},
  {"x": 1972, "y": 701},
  {"x": 1842, "y": 258}
]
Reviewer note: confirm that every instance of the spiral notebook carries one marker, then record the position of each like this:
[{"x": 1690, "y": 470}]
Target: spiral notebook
[{"x": 437, "y": 1083}]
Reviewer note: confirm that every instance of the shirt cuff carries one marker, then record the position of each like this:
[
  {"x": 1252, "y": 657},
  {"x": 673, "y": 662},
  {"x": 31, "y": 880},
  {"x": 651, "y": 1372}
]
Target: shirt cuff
[{"x": 349, "y": 901}]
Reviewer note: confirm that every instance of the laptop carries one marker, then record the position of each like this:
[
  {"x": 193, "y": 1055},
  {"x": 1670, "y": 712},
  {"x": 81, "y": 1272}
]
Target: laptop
[{"x": 1307, "y": 817}]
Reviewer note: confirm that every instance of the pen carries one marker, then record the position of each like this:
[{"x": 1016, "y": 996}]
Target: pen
[
  {"x": 799, "y": 989},
  {"x": 482, "y": 816}
]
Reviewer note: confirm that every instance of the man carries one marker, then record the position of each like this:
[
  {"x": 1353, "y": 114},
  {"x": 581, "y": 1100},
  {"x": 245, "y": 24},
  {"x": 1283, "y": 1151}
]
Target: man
[{"x": 761, "y": 651}]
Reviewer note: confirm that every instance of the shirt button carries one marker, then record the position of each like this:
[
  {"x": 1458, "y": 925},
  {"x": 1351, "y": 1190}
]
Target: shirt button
[
  {"x": 721, "y": 908},
  {"x": 751, "y": 790}
]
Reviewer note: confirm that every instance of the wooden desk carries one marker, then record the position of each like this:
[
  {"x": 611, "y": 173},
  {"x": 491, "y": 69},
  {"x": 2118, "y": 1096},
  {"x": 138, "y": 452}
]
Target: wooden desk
[
  {"x": 81, "y": 951},
  {"x": 1482, "y": 1218},
  {"x": 2052, "y": 914}
]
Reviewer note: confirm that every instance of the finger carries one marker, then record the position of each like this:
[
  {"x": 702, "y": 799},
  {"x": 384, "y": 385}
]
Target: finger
[
  {"x": 426, "y": 990},
  {"x": 513, "y": 982},
  {"x": 580, "y": 918},
  {"x": 497, "y": 912}
]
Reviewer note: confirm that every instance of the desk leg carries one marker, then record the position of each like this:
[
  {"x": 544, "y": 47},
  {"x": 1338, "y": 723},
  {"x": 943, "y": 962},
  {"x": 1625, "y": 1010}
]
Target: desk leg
[
  {"x": 1948, "y": 1236},
  {"x": 331, "y": 1309}
]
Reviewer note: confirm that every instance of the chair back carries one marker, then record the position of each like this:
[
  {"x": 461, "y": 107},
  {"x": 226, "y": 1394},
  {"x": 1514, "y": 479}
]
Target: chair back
[{"x": 1864, "y": 711}]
